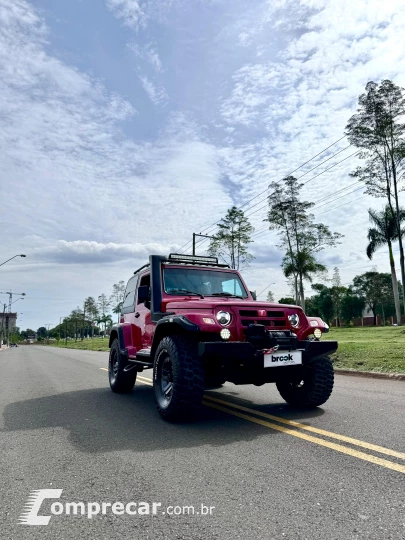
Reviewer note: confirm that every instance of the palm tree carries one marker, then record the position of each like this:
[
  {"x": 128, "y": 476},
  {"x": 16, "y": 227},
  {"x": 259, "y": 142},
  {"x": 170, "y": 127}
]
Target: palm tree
[
  {"x": 100, "y": 321},
  {"x": 303, "y": 266},
  {"x": 117, "y": 310},
  {"x": 385, "y": 233},
  {"x": 108, "y": 322}
]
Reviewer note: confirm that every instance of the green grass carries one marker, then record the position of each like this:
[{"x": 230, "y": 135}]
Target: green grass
[
  {"x": 379, "y": 349},
  {"x": 96, "y": 344}
]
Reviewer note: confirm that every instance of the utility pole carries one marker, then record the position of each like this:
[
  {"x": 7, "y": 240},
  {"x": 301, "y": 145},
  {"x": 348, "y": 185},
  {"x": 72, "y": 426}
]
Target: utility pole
[
  {"x": 48, "y": 325},
  {"x": 84, "y": 319},
  {"x": 200, "y": 235},
  {"x": 65, "y": 331},
  {"x": 2, "y": 324}
]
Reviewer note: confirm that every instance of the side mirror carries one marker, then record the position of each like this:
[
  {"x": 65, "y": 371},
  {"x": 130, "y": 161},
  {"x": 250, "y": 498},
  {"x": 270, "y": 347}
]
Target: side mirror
[
  {"x": 253, "y": 293},
  {"x": 143, "y": 294}
]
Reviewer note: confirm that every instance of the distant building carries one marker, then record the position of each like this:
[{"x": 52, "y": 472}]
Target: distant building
[{"x": 8, "y": 322}]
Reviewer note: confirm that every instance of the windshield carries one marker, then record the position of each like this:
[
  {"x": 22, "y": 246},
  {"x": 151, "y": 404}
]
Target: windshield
[{"x": 202, "y": 282}]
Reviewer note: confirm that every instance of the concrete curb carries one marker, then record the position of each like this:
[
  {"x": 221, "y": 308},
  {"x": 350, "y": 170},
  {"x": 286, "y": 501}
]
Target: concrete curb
[{"x": 371, "y": 374}]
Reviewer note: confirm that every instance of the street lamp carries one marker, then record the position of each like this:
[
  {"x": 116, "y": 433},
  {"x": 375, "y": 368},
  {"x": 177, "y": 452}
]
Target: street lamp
[
  {"x": 12, "y": 258},
  {"x": 16, "y": 301}
]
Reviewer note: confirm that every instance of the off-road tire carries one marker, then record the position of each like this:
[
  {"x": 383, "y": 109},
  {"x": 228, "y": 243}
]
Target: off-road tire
[
  {"x": 312, "y": 388},
  {"x": 176, "y": 361},
  {"x": 121, "y": 382}
]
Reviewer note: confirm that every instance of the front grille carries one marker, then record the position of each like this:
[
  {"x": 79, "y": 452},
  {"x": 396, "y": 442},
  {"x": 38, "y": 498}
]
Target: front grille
[
  {"x": 247, "y": 313},
  {"x": 275, "y": 314},
  {"x": 271, "y": 320},
  {"x": 264, "y": 322}
]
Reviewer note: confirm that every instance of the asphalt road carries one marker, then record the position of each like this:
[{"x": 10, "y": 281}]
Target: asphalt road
[{"x": 338, "y": 473}]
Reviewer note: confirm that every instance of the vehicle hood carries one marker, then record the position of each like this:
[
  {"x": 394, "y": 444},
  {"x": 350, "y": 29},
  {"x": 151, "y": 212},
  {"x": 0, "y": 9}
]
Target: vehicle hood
[{"x": 210, "y": 303}]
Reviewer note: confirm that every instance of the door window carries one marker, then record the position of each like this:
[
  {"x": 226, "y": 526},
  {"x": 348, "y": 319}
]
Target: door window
[
  {"x": 145, "y": 280},
  {"x": 129, "y": 297}
]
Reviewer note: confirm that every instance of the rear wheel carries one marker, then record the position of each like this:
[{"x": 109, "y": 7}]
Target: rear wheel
[
  {"x": 178, "y": 378},
  {"x": 312, "y": 387},
  {"x": 121, "y": 374}
]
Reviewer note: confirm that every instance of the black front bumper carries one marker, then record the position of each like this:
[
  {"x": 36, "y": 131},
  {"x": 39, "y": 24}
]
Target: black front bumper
[{"x": 240, "y": 362}]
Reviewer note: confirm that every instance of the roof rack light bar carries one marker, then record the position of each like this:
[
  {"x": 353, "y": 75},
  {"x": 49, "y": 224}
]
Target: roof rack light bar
[{"x": 192, "y": 258}]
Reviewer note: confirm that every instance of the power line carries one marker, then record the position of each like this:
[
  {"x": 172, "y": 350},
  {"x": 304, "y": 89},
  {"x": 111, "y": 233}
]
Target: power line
[
  {"x": 264, "y": 191},
  {"x": 292, "y": 172},
  {"x": 319, "y": 174},
  {"x": 260, "y": 231},
  {"x": 329, "y": 168},
  {"x": 270, "y": 284},
  {"x": 257, "y": 233},
  {"x": 316, "y": 176},
  {"x": 313, "y": 168},
  {"x": 319, "y": 164},
  {"x": 336, "y": 207},
  {"x": 335, "y": 193},
  {"x": 341, "y": 196},
  {"x": 330, "y": 201}
]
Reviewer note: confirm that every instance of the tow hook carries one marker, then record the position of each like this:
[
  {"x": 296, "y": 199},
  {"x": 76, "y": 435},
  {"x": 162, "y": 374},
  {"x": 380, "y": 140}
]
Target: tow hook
[{"x": 272, "y": 350}]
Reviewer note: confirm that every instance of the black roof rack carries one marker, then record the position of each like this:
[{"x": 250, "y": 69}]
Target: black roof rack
[{"x": 141, "y": 268}]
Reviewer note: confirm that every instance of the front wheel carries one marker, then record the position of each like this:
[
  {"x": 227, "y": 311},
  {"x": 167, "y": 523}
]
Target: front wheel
[
  {"x": 312, "y": 387},
  {"x": 178, "y": 378},
  {"x": 121, "y": 374}
]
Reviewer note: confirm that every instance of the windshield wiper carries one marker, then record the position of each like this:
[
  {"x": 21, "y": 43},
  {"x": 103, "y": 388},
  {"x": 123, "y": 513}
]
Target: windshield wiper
[
  {"x": 226, "y": 294},
  {"x": 187, "y": 292}
]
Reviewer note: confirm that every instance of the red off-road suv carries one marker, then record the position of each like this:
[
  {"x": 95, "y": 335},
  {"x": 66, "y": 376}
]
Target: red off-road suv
[{"x": 195, "y": 323}]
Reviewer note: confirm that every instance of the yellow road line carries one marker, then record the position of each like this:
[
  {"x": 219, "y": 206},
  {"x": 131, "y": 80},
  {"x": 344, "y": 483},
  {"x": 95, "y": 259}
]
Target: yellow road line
[
  {"x": 295, "y": 433},
  {"x": 145, "y": 380},
  {"x": 334, "y": 446},
  {"x": 343, "y": 438},
  {"x": 104, "y": 369}
]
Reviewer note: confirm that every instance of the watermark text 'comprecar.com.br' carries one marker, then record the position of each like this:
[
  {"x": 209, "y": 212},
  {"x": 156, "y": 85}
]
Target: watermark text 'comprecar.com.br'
[{"x": 31, "y": 515}]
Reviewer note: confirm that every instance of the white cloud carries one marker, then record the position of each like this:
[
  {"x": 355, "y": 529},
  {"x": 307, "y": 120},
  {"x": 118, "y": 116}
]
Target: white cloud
[
  {"x": 136, "y": 13},
  {"x": 298, "y": 98},
  {"x": 84, "y": 251},
  {"x": 130, "y": 12},
  {"x": 70, "y": 171},
  {"x": 256, "y": 89},
  {"x": 157, "y": 94},
  {"x": 323, "y": 67},
  {"x": 149, "y": 54}
]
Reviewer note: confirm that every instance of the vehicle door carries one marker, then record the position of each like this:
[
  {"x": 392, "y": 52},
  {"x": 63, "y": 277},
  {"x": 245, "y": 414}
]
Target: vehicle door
[
  {"x": 128, "y": 310},
  {"x": 142, "y": 315}
]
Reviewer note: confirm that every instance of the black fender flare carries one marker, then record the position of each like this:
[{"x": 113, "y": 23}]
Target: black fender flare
[
  {"x": 118, "y": 331},
  {"x": 172, "y": 324}
]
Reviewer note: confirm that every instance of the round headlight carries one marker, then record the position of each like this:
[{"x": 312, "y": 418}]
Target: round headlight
[
  {"x": 225, "y": 333},
  {"x": 317, "y": 333},
  {"x": 294, "y": 320},
  {"x": 223, "y": 317}
]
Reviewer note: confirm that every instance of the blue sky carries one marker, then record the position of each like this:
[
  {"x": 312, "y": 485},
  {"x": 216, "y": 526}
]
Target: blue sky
[{"x": 128, "y": 124}]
